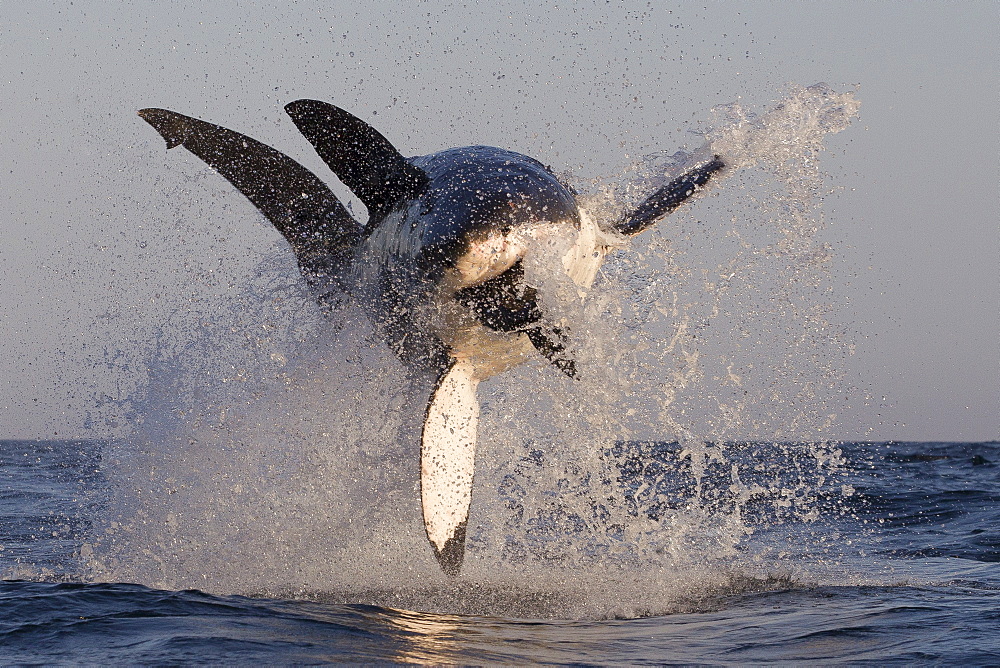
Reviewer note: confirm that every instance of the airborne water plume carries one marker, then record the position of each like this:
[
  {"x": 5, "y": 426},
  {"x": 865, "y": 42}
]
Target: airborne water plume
[{"x": 275, "y": 449}]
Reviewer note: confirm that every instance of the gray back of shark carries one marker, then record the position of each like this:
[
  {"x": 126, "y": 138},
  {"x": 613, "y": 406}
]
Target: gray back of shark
[{"x": 439, "y": 265}]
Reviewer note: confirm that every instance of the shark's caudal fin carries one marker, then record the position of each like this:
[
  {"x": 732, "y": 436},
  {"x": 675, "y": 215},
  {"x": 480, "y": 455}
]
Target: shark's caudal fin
[
  {"x": 668, "y": 198},
  {"x": 320, "y": 230},
  {"x": 358, "y": 154},
  {"x": 447, "y": 462}
]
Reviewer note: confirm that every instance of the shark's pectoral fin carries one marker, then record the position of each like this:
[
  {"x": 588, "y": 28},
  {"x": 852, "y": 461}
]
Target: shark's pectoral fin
[
  {"x": 668, "y": 198},
  {"x": 447, "y": 462}
]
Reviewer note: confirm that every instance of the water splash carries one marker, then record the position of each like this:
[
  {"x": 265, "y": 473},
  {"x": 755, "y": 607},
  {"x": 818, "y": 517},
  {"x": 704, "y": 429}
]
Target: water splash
[{"x": 275, "y": 453}]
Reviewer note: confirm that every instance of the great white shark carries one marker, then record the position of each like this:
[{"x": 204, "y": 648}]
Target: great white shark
[{"x": 439, "y": 265}]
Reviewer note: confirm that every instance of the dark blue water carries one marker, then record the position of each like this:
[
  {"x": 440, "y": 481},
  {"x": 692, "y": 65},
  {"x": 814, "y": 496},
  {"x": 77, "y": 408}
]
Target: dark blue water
[{"x": 897, "y": 561}]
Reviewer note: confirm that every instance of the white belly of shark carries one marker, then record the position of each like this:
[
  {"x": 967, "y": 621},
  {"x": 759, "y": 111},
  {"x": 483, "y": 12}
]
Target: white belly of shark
[{"x": 448, "y": 443}]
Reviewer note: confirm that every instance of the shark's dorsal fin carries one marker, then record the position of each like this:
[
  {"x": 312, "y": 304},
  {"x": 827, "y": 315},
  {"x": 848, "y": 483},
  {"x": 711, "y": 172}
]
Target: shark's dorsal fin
[
  {"x": 358, "y": 154},
  {"x": 306, "y": 212}
]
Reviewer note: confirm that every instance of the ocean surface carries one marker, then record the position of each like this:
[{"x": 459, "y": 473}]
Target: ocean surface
[{"x": 897, "y": 561}]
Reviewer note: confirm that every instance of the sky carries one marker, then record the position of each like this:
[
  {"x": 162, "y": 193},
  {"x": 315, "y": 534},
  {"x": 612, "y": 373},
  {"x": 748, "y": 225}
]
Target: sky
[{"x": 586, "y": 86}]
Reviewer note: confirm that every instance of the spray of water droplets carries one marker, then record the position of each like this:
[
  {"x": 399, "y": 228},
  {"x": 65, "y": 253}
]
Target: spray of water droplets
[{"x": 276, "y": 449}]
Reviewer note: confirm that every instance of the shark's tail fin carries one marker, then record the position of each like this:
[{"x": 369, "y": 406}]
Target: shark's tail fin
[
  {"x": 320, "y": 230},
  {"x": 358, "y": 154}
]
